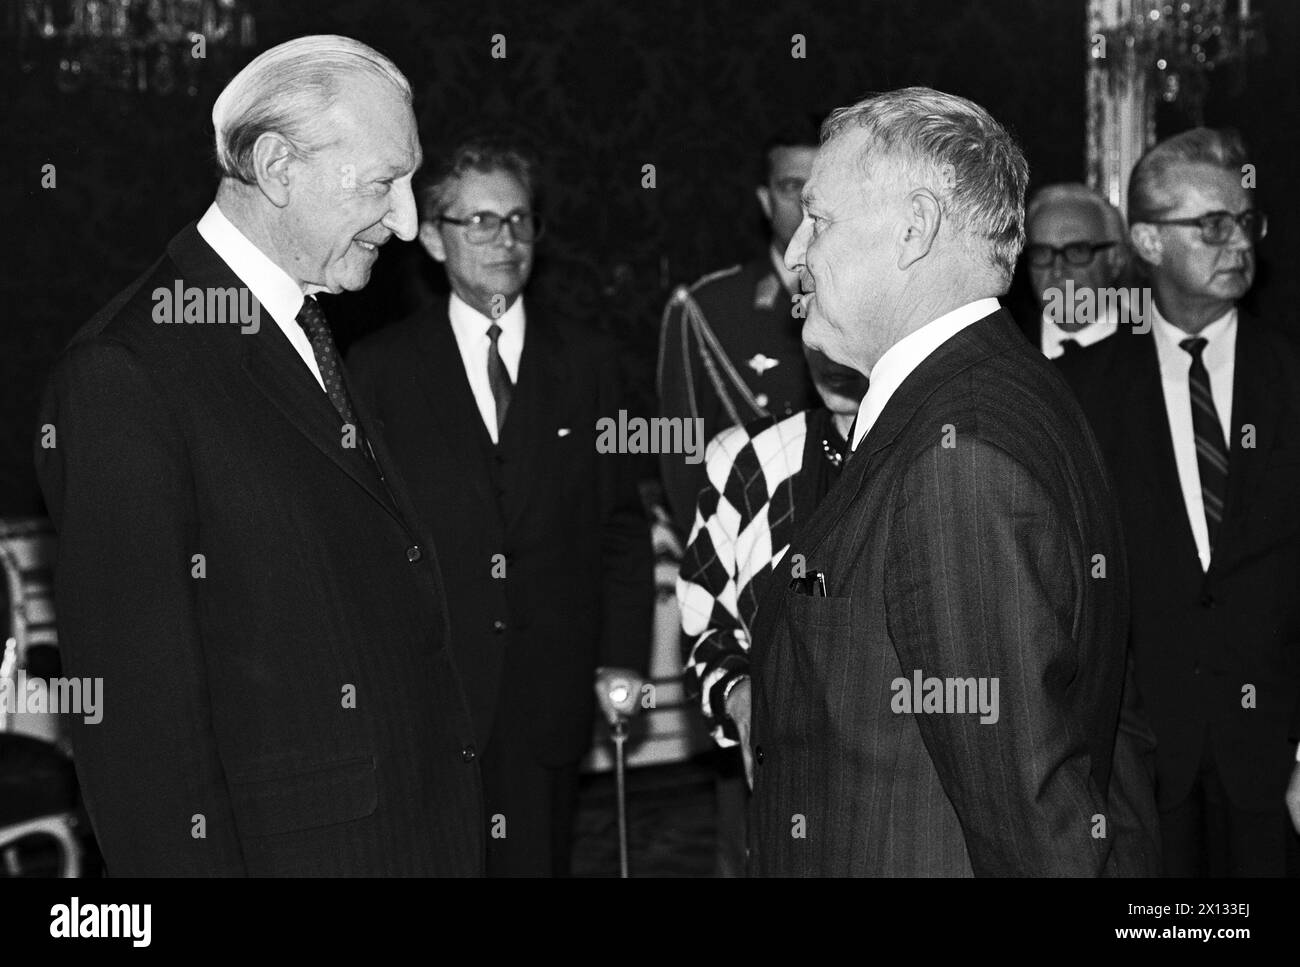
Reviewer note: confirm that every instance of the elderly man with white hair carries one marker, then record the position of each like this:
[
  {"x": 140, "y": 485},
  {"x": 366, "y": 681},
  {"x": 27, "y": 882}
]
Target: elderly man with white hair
[
  {"x": 937, "y": 674},
  {"x": 1077, "y": 257},
  {"x": 237, "y": 561}
]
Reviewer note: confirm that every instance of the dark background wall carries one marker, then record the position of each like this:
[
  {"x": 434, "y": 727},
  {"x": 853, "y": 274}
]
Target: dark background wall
[{"x": 691, "y": 86}]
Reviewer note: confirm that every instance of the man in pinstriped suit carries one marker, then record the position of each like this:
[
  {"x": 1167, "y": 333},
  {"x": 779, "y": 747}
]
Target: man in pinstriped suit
[{"x": 937, "y": 675}]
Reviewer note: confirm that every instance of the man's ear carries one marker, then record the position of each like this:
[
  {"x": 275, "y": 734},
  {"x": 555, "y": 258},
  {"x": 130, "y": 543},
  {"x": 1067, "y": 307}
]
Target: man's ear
[
  {"x": 272, "y": 167},
  {"x": 1147, "y": 243},
  {"x": 1117, "y": 259},
  {"x": 431, "y": 240},
  {"x": 920, "y": 226},
  {"x": 764, "y": 200}
]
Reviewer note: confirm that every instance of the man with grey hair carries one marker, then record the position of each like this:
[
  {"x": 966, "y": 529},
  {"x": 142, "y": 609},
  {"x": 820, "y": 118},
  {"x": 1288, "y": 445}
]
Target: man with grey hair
[
  {"x": 490, "y": 407},
  {"x": 936, "y": 692},
  {"x": 237, "y": 561},
  {"x": 1198, "y": 421},
  {"x": 1076, "y": 254}
]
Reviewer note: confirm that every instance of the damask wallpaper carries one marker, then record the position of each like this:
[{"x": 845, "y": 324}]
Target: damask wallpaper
[{"x": 599, "y": 89}]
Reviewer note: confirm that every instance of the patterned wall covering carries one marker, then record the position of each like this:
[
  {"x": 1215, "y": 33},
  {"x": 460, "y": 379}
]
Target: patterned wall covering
[{"x": 601, "y": 88}]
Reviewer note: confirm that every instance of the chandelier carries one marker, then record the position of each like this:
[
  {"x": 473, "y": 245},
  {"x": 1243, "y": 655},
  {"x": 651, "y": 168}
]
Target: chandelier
[
  {"x": 1178, "y": 45},
  {"x": 145, "y": 46}
]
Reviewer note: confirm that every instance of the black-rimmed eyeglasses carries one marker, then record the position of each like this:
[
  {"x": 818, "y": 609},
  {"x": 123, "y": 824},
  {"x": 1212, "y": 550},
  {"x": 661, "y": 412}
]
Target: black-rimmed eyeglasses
[
  {"x": 1216, "y": 227},
  {"x": 482, "y": 228},
  {"x": 1077, "y": 254}
]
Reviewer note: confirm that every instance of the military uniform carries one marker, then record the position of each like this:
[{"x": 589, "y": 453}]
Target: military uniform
[{"x": 729, "y": 352}]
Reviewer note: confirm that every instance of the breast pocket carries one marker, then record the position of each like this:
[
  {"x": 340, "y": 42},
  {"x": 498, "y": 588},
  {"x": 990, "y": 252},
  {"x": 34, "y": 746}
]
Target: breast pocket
[
  {"x": 818, "y": 625},
  {"x": 324, "y": 795}
]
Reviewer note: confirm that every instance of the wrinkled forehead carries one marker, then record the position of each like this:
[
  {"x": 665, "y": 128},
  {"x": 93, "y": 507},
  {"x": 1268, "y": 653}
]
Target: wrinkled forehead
[
  {"x": 1067, "y": 221},
  {"x": 1193, "y": 189},
  {"x": 376, "y": 123},
  {"x": 846, "y": 171},
  {"x": 496, "y": 190}
]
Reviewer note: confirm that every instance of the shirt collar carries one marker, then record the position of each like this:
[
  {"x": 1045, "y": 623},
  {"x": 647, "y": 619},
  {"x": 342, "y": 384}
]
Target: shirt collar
[
  {"x": 467, "y": 321},
  {"x": 1054, "y": 335},
  {"x": 271, "y": 285},
  {"x": 904, "y": 356},
  {"x": 1217, "y": 335}
]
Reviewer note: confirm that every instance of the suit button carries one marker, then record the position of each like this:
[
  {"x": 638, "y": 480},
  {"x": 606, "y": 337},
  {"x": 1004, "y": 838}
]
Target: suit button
[
  {"x": 758, "y": 754},
  {"x": 498, "y": 626},
  {"x": 468, "y": 754},
  {"x": 1207, "y": 600},
  {"x": 413, "y": 553}
]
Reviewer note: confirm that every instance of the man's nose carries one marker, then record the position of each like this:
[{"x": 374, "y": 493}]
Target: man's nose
[
  {"x": 402, "y": 219},
  {"x": 797, "y": 251},
  {"x": 1239, "y": 241}
]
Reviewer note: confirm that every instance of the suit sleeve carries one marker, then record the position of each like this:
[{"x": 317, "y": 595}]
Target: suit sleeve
[
  {"x": 118, "y": 485},
  {"x": 978, "y": 584},
  {"x": 627, "y": 559},
  {"x": 1133, "y": 812}
]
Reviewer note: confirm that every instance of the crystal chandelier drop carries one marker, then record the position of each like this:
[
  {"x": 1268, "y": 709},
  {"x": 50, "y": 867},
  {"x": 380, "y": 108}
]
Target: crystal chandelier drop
[
  {"x": 1178, "y": 45},
  {"x": 145, "y": 46}
]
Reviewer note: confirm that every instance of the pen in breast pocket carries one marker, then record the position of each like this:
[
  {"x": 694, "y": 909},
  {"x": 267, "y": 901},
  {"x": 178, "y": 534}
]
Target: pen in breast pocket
[{"x": 819, "y": 584}]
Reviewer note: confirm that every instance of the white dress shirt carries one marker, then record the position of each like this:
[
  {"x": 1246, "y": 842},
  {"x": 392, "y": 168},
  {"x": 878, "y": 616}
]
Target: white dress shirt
[
  {"x": 471, "y": 330},
  {"x": 1219, "y": 356},
  {"x": 1052, "y": 335},
  {"x": 908, "y": 353},
  {"x": 271, "y": 286}
]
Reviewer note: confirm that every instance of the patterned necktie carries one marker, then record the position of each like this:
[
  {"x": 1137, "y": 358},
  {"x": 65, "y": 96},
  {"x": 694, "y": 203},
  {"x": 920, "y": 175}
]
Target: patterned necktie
[
  {"x": 1211, "y": 451},
  {"x": 498, "y": 377},
  {"x": 312, "y": 319}
]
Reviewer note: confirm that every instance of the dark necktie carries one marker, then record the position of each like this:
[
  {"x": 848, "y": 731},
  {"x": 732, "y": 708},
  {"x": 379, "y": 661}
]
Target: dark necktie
[
  {"x": 498, "y": 377},
  {"x": 1211, "y": 451},
  {"x": 848, "y": 444},
  {"x": 1069, "y": 346},
  {"x": 312, "y": 319}
]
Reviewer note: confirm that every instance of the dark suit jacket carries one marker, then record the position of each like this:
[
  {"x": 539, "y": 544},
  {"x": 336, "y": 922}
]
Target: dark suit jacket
[
  {"x": 1198, "y": 638},
  {"x": 975, "y": 561},
  {"x": 578, "y": 587},
  {"x": 228, "y": 679}
]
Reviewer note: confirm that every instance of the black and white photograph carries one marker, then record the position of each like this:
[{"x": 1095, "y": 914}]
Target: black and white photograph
[{"x": 592, "y": 440}]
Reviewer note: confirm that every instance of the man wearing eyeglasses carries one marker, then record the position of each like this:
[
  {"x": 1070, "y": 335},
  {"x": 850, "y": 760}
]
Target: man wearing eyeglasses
[
  {"x": 490, "y": 411},
  {"x": 1199, "y": 420},
  {"x": 1074, "y": 246}
]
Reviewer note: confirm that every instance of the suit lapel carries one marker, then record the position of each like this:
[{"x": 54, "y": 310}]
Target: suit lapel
[
  {"x": 274, "y": 367},
  {"x": 1143, "y": 409},
  {"x": 537, "y": 394},
  {"x": 978, "y": 340},
  {"x": 1254, "y": 403},
  {"x": 455, "y": 414}
]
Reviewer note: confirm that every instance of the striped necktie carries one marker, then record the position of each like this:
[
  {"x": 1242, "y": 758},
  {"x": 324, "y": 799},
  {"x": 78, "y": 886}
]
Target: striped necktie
[
  {"x": 1211, "y": 450},
  {"x": 498, "y": 377}
]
